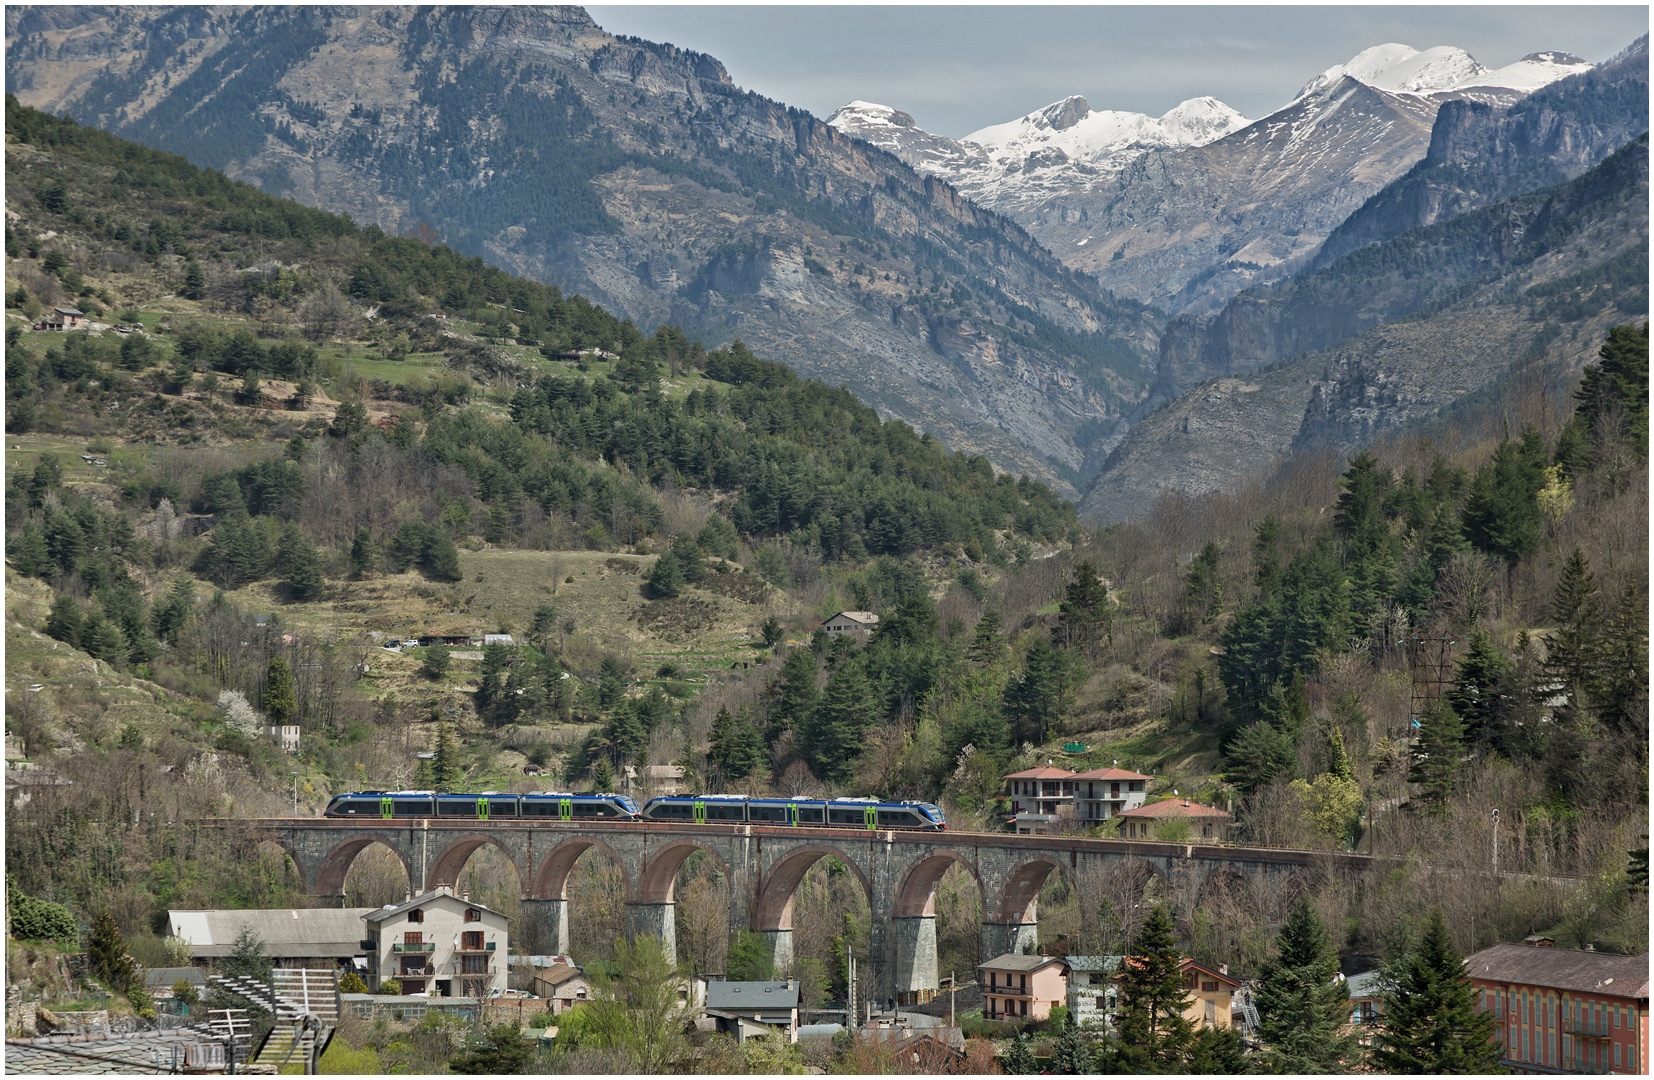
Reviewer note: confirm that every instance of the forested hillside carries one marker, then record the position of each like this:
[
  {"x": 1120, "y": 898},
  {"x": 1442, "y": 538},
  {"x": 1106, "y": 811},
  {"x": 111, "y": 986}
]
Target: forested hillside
[{"x": 291, "y": 440}]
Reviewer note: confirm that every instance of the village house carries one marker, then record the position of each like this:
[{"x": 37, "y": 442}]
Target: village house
[
  {"x": 23, "y": 783},
  {"x": 285, "y": 736},
  {"x": 857, "y": 623},
  {"x": 293, "y": 937},
  {"x": 1040, "y": 798},
  {"x": 652, "y": 781},
  {"x": 1100, "y": 794},
  {"x": 751, "y": 1009},
  {"x": 440, "y": 944},
  {"x": 563, "y": 986},
  {"x": 1092, "y": 992},
  {"x": 1017, "y": 987},
  {"x": 67, "y": 318},
  {"x": 497, "y": 639},
  {"x": 1211, "y": 995},
  {"x": 1366, "y": 1003},
  {"x": 1564, "y": 1010},
  {"x": 1145, "y": 822}
]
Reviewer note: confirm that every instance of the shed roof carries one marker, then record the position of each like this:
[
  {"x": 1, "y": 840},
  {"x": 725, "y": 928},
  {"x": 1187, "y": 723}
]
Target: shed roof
[
  {"x": 1094, "y": 963},
  {"x": 1364, "y": 985},
  {"x": 164, "y": 977},
  {"x": 284, "y": 931},
  {"x": 752, "y": 995},
  {"x": 864, "y": 617},
  {"x": 1562, "y": 969},
  {"x": 70, "y": 311},
  {"x": 1173, "y": 808},
  {"x": 558, "y": 975}
]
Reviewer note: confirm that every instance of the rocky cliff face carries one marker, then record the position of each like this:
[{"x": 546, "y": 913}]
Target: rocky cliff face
[
  {"x": 637, "y": 174},
  {"x": 1479, "y": 153},
  {"x": 1539, "y": 276}
]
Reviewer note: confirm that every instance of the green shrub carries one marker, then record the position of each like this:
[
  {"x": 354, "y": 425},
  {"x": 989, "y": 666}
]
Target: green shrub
[
  {"x": 391, "y": 987},
  {"x": 33, "y": 919}
]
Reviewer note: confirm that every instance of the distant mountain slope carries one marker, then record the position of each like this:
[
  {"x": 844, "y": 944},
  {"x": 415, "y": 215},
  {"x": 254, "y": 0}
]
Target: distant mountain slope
[
  {"x": 634, "y": 173},
  {"x": 1479, "y": 153},
  {"x": 1185, "y": 210},
  {"x": 1538, "y": 274}
]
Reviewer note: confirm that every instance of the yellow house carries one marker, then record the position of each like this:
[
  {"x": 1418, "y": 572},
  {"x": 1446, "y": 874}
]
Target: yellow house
[
  {"x": 1016, "y": 987},
  {"x": 1211, "y": 993}
]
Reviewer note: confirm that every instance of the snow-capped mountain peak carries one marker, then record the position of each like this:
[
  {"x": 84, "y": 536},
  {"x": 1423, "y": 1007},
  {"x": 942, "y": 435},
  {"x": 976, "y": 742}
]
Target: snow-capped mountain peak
[
  {"x": 869, "y": 114},
  {"x": 1402, "y": 69},
  {"x": 1071, "y": 127}
]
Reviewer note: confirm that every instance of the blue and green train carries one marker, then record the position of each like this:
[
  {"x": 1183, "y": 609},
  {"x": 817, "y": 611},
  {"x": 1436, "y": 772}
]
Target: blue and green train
[{"x": 677, "y": 809}]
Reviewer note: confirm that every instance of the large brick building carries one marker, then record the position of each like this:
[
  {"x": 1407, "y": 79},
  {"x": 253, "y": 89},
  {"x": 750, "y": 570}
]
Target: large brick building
[{"x": 1565, "y": 1010}]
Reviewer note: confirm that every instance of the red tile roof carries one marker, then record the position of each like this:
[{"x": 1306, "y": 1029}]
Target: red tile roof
[
  {"x": 1043, "y": 772},
  {"x": 1562, "y": 969},
  {"x": 1111, "y": 773},
  {"x": 1173, "y": 808}
]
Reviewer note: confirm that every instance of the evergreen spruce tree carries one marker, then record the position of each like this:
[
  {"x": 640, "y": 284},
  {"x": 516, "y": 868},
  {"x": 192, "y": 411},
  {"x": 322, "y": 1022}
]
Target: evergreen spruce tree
[
  {"x": 440, "y": 559},
  {"x": 1034, "y": 700},
  {"x": 1019, "y": 1059},
  {"x": 1436, "y": 753},
  {"x": 107, "y": 956},
  {"x": 792, "y": 694},
  {"x": 840, "y": 722},
  {"x": 1154, "y": 1033},
  {"x": 502, "y": 1051},
  {"x": 1071, "y": 1055},
  {"x": 737, "y": 745},
  {"x": 446, "y": 772},
  {"x": 361, "y": 552},
  {"x": 65, "y": 621},
  {"x": 1431, "y": 1024},
  {"x": 1217, "y": 1052},
  {"x": 1573, "y": 650},
  {"x": 101, "y": 637},
  {"x": 280, "y": 704},
  {"x": 1501, "y": 516},
  {"x": 987, "y": 645},
  {"x": 1476, "y": 692},
  {"x": 603, "y": 777},
  {"x": 1302, "y": 1008},
  {"x": 1202, "y": 588},
  {"x": 1084, "y": 616},
  {"x": 304, "y": 571},
  {"x": 32, "y": 558},
  {"x": 666, "y": 578},
  {"x": 1622, "y": 698}
]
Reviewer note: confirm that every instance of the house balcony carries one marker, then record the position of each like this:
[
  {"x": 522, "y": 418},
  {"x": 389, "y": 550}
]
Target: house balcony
[
  {"x": 425, "y": 971},
  {"x": 413, "y": 947},
  {"x": 1585, "y": 1029},
  {"x": 477, "y": 951}
]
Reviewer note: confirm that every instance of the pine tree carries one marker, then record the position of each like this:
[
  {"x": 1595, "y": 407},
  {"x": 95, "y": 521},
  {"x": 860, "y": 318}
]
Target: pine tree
[
  {"x": 1070, "y": 1056},
  {"x": 1431, "y": 1024},
  {"x": 1302, "y": 1008},
  {"x": 1573, "y": 650},
  {"x": 840, "y": 722},
  {"x": 1476, "y": 692},
  {"x": 1262, "y": 752},
  {"x": 66, "y": 620},
  {"x": 1202, "y": 587},
  {"x": 603, "y": 777},
  {"x": 1622, "y": 698},
  {"x": 1217, "y": 1052},
  {"x": 1019, "y": 1059},
  {"x": 987, "y": 645},
  {"x": 446, "y": 772},
  {"x": 792, "y": 694},
  {"x": 361, "y": 552},
  {"x": 31, "y": 557},
  {"x": 666, "y": 578},
  {"x": 503, "y": 1051},
  {"x": 440, "y": 558},
  {"x": 101, "y": 637},
  {"x": 1501, "y": 516},
  {"x": 304, "y": 571},
  {"x": 279, "y": 701},
  {"x": 1034, "y": 701},
  {"x": 107, "y": 956},
  {"x": 1084, "y": 616},
  {"x": 1154, "y": 1032},
  {"x": 737, "y": 745},
  {"x": 1436, "y": 754}
]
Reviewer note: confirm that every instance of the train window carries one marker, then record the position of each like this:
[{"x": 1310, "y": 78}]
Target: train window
[
  {"x": 502, "y": 808},
  {"x": 852, "y": 816},
  {"x": 411, "y": 807},
  {"x": 584, "y": 809},
  {"x": 456, "y": 807},
  {"x": 903, "y": 819},
  {"x": 766, "y": 813},
  {"x": 359, "y": 806},
  {"x": 726, "y": 811},
  {"x": 673, "y": 810},
  {"x": 603, "y": 810},
  {"x": 540, "y": 808},
  {"x": 809, "y": 815}
]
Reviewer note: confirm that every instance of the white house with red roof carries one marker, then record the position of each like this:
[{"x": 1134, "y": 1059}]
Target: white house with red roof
[
  {"x": 1100, "y": 794},
  {"x": 1142, "y": 823},
  {"x": 1040, "y": 797}
]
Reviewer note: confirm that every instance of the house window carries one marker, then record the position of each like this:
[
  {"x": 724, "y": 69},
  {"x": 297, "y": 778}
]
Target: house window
[
  {"x": 413, "y": 937},
  {"x": 1209, "y": 987},
  {"x": 471, "y": 939},
  {"x": 473, "y": 965},
  {"x": 473, "y": 915},
  {"x": 416, "y": 915}
]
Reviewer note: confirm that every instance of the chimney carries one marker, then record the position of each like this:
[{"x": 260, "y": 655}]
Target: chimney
[{"x": 1223, "y": 969}]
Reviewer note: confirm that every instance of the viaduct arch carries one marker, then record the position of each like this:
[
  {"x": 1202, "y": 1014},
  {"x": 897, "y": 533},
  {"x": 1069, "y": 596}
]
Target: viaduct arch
[{"x": 899, "y": 871}]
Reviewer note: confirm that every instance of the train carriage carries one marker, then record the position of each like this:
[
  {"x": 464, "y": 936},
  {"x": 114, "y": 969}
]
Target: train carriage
[{"x": 863, "y": 813}]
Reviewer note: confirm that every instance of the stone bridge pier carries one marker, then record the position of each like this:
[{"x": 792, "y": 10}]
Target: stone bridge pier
[{"x": 764, "y": 866}]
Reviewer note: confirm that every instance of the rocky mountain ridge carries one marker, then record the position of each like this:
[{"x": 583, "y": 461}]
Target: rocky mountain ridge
[
  {"x": 1535, "y": 278},
  {"x": 637, "y": 174},
  {"x": 1186, "y": 210}
]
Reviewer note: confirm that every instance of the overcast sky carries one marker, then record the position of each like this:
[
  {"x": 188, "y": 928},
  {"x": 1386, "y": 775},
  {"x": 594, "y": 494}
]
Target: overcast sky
[{"x": 960, "y": 68}]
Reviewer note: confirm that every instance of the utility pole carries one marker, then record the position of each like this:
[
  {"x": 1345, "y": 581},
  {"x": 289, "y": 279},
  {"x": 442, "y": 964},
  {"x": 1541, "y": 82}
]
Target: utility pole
[
  {"x": 295, "y": 794},
  {"x": 951, "y": 987},
  {"x": 1496, "y": 844},
  {"x": 850, "y": 994}
]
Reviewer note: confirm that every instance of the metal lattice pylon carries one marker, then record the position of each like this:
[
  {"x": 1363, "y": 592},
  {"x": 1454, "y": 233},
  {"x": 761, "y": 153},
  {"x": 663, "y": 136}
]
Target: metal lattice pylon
[{"x": 1432, "y": 658}]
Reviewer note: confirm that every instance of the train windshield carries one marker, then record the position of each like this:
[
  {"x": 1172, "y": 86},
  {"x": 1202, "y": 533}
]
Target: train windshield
[{"x": 626, "y": 802}]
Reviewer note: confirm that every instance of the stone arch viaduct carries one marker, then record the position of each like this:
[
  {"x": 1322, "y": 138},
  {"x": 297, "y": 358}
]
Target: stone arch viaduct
[{"x": 764, "y": 865}]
